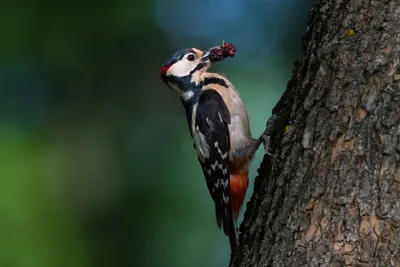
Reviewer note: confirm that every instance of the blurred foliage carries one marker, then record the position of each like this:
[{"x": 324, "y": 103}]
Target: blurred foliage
[{"x": 98, "y": 168}]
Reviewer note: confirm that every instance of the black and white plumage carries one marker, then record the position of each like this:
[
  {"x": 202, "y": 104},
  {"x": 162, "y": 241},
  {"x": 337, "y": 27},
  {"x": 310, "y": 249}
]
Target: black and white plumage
[
  {"x": 219, "y": 126},
  {"x": 211, "y": 140}
]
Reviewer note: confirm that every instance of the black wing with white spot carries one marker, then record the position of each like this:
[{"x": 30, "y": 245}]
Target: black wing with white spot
[{"x": 211, "y": 140}]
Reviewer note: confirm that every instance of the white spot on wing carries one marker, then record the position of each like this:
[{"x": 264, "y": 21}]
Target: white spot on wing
[
  {"x": 225, "y": 198},
  {"x": 214, "y": 166},
  {"x": 223, "y": 155},
  {"x": 226, "y": 183},
  {"x": 203, "y": 150},
  {"x": 220, "y": 117},
  {"x": 217, "y": 184}
]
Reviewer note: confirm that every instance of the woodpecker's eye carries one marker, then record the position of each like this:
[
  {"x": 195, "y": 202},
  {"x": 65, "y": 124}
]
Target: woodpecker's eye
[{"x": 190, "y": 57}]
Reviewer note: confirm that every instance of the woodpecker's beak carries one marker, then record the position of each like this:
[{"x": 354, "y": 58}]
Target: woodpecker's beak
[{"x": 206, "y": 55}]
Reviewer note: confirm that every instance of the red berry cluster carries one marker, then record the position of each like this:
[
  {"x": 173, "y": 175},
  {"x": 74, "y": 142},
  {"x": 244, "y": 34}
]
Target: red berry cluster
[
  {"x": 218, "y": 54},
  {"x": 229, "y": 49}
]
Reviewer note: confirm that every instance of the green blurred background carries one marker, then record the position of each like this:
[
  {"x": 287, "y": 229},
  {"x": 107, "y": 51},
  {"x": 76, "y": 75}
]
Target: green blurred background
[{"x": 97, "y": 164}]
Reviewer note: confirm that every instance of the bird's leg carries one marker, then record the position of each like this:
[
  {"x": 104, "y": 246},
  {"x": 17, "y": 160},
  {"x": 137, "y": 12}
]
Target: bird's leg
[
  {"x": 263, "y": 139},
  {"x": 275, "y": 126}
]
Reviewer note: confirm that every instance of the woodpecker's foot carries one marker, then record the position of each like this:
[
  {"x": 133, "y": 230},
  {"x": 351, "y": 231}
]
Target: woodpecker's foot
[
  {"x": 263, "y": 139},
  {"x": 267, "y": 147},
  {"x": 274, "y": 124},
  {"x": 274, "y": 132}
]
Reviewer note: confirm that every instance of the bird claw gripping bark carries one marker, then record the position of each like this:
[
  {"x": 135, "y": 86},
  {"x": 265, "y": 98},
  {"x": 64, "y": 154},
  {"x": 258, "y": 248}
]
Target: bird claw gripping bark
[
  {"x": 267, "y": 146},
  {"x": 275, "y": 130},
  {"x": 221, "y": 52}
]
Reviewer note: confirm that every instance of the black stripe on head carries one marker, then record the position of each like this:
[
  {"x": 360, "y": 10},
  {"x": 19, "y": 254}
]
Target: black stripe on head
[
  {"x": 214, "y": 80},
  {"x": 198, "y": 67},
  {"x": 175, "y": 57}
]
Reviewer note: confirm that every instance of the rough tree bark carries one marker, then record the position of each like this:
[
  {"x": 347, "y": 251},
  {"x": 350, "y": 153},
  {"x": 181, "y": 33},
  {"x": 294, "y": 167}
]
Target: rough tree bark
[{"x": 331, "y": 196}]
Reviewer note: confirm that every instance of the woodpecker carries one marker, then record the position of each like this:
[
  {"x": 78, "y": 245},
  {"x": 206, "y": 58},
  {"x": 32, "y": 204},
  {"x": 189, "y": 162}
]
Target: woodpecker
[{"x": 219, "y": 125}]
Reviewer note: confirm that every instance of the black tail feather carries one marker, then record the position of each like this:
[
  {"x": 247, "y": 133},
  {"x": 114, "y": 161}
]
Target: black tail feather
[
  {"x": 218, "y": 216},
  {"x": 231, "y": 230}
]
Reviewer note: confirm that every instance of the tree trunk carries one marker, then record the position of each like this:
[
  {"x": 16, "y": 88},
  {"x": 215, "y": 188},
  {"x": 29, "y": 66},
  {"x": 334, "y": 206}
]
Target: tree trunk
[{"x": 330, "y": 196}]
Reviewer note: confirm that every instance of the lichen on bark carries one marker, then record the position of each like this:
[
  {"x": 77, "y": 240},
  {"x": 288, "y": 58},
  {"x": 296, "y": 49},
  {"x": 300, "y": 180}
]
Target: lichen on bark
[{"x": 331, "y": 196}]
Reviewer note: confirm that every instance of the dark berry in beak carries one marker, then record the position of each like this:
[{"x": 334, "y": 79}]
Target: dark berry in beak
[
  {"x": 229, "y": 49},
  {"x": 222, "y": 52}
]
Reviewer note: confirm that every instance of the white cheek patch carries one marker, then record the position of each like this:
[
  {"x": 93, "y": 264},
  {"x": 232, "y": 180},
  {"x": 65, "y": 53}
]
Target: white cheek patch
[{"x": 181, "y": 68}]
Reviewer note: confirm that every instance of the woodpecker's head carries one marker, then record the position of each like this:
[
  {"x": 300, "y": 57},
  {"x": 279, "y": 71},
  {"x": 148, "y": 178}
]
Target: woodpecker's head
[{"x": 182, "y": 71}]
